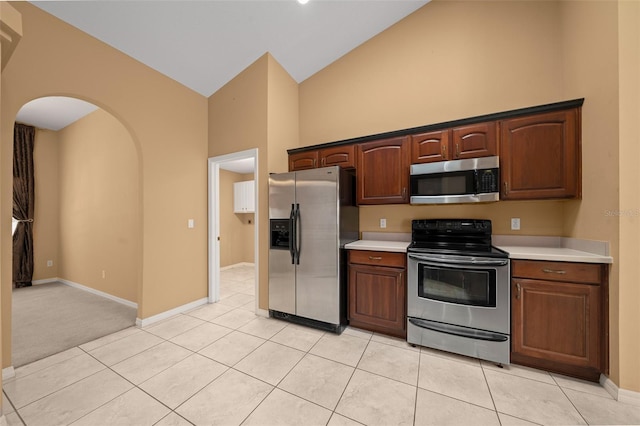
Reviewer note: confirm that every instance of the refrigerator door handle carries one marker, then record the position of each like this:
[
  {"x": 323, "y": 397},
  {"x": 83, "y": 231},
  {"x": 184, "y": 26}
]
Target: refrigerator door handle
[
  {"x": 292, "y": 235},
  {"x": 297, "y": 238}
]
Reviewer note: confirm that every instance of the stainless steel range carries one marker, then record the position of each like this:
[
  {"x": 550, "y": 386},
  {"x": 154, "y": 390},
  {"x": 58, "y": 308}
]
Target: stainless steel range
[{"x": 458, "y": 289}]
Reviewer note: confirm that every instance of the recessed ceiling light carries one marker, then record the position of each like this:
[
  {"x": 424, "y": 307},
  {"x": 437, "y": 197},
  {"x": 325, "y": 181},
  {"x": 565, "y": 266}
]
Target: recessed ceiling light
[{"x": 303, "y": 1}]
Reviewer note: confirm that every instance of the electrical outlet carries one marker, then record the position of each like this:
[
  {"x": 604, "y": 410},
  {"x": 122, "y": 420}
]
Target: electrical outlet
[
  {"x": 49, "y": 263},
  {"x": 515, "y": 223},
  {"x": 383, "y": 223},
  {"x": 190, "y": 223}
]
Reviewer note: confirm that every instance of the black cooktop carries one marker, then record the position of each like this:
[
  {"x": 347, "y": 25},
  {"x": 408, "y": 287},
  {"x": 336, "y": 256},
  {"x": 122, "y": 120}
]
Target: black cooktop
[{"x": 468, "y": 237}]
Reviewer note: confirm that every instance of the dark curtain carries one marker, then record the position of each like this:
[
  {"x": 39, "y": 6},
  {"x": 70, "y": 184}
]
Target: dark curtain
[{"x": 23, "y": 204}]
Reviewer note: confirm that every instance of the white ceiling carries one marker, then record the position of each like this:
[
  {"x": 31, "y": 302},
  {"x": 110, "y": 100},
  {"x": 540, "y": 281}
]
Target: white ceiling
[
  {"x": 54, "y": 112},
  {"x": 204, "y": 44}
]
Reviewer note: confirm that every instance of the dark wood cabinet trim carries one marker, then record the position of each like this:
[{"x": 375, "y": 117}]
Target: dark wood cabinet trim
[{"x": 557, "y": 106}]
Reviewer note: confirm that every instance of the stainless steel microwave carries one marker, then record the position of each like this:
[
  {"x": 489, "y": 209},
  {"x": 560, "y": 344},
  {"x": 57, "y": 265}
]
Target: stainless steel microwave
[{"x": 472, "y": 180}]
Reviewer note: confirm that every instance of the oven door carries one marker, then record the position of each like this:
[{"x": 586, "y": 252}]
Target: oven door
[{"x": 466, "y": 291}]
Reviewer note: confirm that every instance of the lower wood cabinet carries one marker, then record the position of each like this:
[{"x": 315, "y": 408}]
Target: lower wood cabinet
[
  {"x": 559, "y": 318},
  {"x": 377, "y": 292}
]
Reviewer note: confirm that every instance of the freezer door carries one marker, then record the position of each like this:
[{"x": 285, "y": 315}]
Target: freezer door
[
  {"x": 318, "y": 279},
  {"x": 282, "y": 272}
]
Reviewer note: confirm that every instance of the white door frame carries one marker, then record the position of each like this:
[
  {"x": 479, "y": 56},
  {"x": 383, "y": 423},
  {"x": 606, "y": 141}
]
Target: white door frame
[{"x": 214, "y": 220}]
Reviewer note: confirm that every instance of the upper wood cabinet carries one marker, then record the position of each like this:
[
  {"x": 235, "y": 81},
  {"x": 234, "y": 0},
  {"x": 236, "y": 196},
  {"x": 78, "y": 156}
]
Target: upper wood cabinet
[
  {"x": 475, "y": 140},
  {"x": 540, "y": 156},
  {"x": 383, "y": 171},
  {"x": 303, "y": 160},
  {"x": 430, "y": 147},
  {"x": 470, "y": 141},
  {"x": 343, "y": 156}
]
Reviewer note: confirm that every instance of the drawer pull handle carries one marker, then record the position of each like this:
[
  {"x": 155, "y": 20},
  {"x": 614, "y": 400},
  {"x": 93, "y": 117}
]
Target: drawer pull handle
[
  {"x": 375, "y": 258},
  {"x": 554, "y": 271},
  {"x": 517, "y": 290}
]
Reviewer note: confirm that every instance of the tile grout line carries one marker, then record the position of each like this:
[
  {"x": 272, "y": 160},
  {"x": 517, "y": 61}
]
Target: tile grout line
[
  {"x": 570, "y": 400},
  {"x": 493, "y": 401},
  {"x": 415, "y": 405}
]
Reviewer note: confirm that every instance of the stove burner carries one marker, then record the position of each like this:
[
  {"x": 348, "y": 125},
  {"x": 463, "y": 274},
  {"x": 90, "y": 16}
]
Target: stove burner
[{"x": 453, "y": 236}]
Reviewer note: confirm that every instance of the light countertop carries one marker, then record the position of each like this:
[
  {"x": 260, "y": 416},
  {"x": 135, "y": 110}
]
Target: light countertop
[
  {"x": 558, "y": 254},
  {"x": 525, "y": 248},
  {"x": 378, "y": 245}
]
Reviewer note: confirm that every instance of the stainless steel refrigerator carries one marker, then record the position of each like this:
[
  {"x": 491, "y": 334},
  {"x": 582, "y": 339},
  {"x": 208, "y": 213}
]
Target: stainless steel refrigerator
[{"x": 312, "y": 215}]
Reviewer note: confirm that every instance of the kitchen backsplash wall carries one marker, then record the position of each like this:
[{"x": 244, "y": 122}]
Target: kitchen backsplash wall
[{"x": 536, "y": 217}]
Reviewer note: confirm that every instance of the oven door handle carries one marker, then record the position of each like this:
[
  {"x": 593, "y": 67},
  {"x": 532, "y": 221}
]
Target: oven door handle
[
  {"x": 459, "y": 260},
  {"x": 455, "y": 330}
]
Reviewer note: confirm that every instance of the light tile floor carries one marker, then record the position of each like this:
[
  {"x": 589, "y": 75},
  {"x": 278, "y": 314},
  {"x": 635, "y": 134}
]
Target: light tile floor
[{"x": 222, "y": 365}]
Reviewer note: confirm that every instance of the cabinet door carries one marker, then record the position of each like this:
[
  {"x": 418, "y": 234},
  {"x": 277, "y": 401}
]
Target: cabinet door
[
  {"x": 303, "y": 161},
  {"x": 556, "y": 322},
  {"x": 377, "y": 299},
  {"x": 343, "y": 156},
  {"x": 474, "y": 140},
  {"x": 249, "y": 194},
  {"x": 243, "y": 197},
  {"x": 383, "y": 171},
  {"x": 540, "y": 156},
  {"x": 430, "y": 147},
  {"x": 238, "y": 197}
]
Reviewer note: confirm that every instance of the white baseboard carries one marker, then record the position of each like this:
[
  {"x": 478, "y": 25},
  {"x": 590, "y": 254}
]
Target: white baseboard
[
  {"x": 8, "y": 373},
  {"x": 45, "y": 281},
  {"x": 171, "y": 312},
  {"x": 99, "y": 293},
  {"x": 629, "y": 397},
  {"x": 622, "y": 395}
]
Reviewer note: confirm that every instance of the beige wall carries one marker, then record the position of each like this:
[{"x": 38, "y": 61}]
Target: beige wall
[
  {"x": 238, "y": 122},
  {"x": 46, "y": 224},
  {"x": 237, "y": 241},
  {"x": 609, "y": 208},
  {"x": 99, "y": 201},
  {"x": 257, "y": 109},
  {"x": 629, "y": 251},
  {"x": 168, "y": 125}
]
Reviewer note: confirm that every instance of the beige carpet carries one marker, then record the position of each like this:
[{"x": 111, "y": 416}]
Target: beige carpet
[{"x": 51, "y": 318}]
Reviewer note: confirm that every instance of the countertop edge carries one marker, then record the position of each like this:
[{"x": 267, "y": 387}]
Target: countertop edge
[
  {"x": 378, "y": 245},
  {"x": 559, "y": 254}
]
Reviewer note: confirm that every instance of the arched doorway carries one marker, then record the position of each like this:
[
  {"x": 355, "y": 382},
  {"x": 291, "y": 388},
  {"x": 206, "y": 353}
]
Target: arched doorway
[{"x": 87, "y": 238}]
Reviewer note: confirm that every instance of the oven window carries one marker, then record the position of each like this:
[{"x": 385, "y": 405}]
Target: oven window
[{"x": 475, "y": 287}]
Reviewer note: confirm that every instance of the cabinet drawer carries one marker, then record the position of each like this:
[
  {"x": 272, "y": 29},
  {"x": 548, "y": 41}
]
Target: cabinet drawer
[
  {"x": 590, "y": 273},
  {"x": 378, "y": 258}
]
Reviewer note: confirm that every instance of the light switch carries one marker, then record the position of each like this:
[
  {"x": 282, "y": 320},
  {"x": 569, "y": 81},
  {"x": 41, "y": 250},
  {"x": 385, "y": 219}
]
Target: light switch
[
  {"x": 515, "y": 223},
  {"x": 190, "y": 224},
  {"x": 383, "y": 223}
]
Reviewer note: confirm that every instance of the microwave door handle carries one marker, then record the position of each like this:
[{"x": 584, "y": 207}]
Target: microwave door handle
[{"x": 458, "y": 260}]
